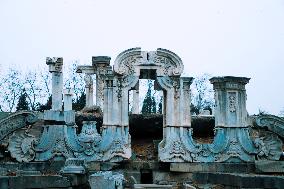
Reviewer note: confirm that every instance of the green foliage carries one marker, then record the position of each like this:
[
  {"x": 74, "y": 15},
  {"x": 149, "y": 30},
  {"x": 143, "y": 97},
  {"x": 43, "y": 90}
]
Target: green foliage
[
  {"x": 80, "y": 102},
  {"x": 149, "y": 103},
  {"x": 23, "y": 103}
]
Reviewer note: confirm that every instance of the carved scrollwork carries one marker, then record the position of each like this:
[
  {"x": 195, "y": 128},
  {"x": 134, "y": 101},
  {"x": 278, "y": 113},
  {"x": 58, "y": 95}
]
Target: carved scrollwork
[
  {"x": 232, "y": 102},
  {"x": 89, "y": 140},
  {"x": 125, "y": 61},
  {"x": 168, "y": 63},
  {"x": 272, "y": 123},
  {"x": 16, "y": 121},
  {"x": 21, "y": 146},
  {"x": 116, "y": 144},
  {"x": 268, "y": 145},
  {"x": 53, "y": 142}
]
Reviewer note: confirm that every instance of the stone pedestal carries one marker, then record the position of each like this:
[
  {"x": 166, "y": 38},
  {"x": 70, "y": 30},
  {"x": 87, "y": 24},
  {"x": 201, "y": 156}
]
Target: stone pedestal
[{"x": 232, "y": 141}]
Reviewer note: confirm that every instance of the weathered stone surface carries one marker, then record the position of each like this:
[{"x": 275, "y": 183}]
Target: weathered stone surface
[
  {"x": 152, "y": 186},
  {"x": 106, "y": 180},
  {"x": 4, "y": 182},
  {"x": 54, "y": 142},
  {"x": 92, "y": 166},
  {"x": 164, "y": 177},
  {"x": 240, "y": 180},
  {"x": 269, "y": 166},
  {"x": 39, "y": 182},
  {"x": 213, "y": 167},
  {"x": 74, "y": 166},
  {"x": 16, "y": 121},
  {"x": 272, "y": 123}
]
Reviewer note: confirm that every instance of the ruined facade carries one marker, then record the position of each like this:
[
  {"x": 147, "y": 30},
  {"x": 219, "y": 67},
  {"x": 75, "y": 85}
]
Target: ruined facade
[{"x": 233, "y": 141}]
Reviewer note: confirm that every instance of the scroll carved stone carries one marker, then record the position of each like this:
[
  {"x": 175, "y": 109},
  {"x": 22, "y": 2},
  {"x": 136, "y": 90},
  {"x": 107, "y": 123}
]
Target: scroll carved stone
[
  {"x": 21, "y": 146},
  {"x": 272, "y": 123},
  {"x": 16, "y": 121},
  {"x": 269, "y": 146}
]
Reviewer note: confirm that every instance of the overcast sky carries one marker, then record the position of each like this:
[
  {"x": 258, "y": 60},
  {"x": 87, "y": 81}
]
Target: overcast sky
[{"x": 220, "y": 37}]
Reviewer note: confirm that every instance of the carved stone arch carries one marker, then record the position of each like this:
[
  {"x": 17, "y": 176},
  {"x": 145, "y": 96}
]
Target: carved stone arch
[
  {"x": 165, "y": 67},
  {"x": 131, "y": 61}
]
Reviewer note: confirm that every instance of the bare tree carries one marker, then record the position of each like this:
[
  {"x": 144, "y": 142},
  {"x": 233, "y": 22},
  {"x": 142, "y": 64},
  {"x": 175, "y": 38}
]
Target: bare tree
[
  {"x": 202, "y": 92},
  {"x": 33, "y": 89},
  {"x": 74, "y": 80},
  {"x": 11, "y": 87}
]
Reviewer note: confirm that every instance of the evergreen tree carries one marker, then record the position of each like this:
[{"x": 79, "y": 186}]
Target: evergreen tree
[
  {"x": 160, "y": 111},
  {"x": 80, "y": 102},
  {"x": 149, "y": 103},
  {"x": 46, "y": 106},
  {"x": 23, "y": 103}
]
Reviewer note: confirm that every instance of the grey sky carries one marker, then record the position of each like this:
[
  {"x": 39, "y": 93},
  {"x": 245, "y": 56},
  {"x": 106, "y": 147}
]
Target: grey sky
[{"x": 220, "y": 37}]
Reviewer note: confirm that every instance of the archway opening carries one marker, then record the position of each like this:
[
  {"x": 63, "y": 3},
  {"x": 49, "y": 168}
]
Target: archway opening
[{"x": 146, "y": 124}]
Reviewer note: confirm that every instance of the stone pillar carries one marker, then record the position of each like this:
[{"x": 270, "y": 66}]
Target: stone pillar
[
  {"x": 185, "y": 102},
  {"x": 68, "y": 99},
  {"x": 55, "y": 67},
  {"x": 89, "y": 90},
  {"x": 230, "y": 97},
  {"x": 100, "y": 63},
  {"x": 135, "y": 108}
]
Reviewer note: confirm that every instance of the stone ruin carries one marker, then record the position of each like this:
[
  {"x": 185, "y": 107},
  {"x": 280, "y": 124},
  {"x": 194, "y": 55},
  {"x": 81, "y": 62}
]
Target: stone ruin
[{"x": 244, "y": 147}]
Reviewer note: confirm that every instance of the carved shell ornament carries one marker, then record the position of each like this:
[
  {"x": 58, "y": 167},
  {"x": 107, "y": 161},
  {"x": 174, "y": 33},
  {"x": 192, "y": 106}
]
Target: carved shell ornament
[
  {"x": 21, "y": 146},
  {"x": 168, "y": 63}
]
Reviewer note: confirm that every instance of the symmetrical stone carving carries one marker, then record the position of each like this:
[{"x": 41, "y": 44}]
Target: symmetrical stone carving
[
  {"x": 53, "y": 142},
  {"x": 87, "y": 142},
  {"x": 232, "y": 142},
  {"x": 131, "y": 61}
]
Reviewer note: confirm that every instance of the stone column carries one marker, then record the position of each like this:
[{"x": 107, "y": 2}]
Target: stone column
[
  {"x": 230, "y": 97},
  {"x": 68, "y": 99},
  {"x": 185, "y": 102},
  {"x": 89, "y": 90},
  {"x": 135, "y": 108},
  {"x": 55, "y": 67},
  {"x": 100, "y": 63},
  {"x": 135, "y": 104}
]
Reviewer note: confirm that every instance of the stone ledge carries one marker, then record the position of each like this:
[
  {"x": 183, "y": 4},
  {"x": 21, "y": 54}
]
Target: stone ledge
[
  {"x": 213, "y": 167},
  {"x": 240, "y": 180},
  {"x": 269, "y": 166}
]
